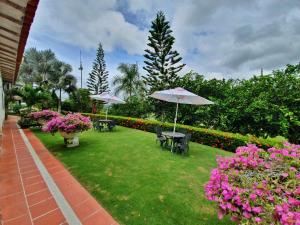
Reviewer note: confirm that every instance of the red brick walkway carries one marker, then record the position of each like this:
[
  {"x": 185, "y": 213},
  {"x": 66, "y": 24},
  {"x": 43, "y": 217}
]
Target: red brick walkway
[{"x": 25, "y": 197}]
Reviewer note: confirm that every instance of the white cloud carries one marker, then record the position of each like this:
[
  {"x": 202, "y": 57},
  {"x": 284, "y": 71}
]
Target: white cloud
[
  {"x": 231, "y": 38},
  {"x": 85, "y": 23}
]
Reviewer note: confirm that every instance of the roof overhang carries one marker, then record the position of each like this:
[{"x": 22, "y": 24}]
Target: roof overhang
[{"x": 16, "y": 17}]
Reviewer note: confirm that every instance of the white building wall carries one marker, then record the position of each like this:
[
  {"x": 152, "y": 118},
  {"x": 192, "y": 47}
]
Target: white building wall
[{"x": 2, "y": 105}]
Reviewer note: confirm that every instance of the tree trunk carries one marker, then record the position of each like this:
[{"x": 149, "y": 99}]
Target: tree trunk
[{"x": 59, "y": 101}]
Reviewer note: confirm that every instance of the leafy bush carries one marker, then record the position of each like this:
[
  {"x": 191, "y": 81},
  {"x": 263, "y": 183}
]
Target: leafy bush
[
  {"x": 224, "y": 140},
  {"x": 16, "y": 108},
  {"x": 257, "y": 186},
  {"x": 25, "y": 111},
  {"x": 134, "y": 106},
  {"x": 79, "y": 101},
  {"x": 26, "y": 122}
]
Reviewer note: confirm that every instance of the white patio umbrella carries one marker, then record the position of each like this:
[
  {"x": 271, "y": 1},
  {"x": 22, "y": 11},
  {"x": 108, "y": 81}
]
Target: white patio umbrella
[
  {"x": 180, "y": 96},
  {"x": 107, "y": 98}
]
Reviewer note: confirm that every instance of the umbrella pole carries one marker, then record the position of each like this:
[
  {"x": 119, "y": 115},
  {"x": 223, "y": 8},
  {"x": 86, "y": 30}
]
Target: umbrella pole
[{"x": 175, "y": 120}]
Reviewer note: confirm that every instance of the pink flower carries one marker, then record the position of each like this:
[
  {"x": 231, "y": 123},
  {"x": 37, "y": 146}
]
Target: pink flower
[
  {"x": 257, "y": 209},
  {"x": 293, "y": 201},
  {"x": 247, "y": 215},
  {"x": 252, "y": 196},
  {"x": 254, "y": 184},
  {"x": 69, "y": 124},
  {"x": 257, "y": 219},
  {"x": 221, "y": 214},
  {"x": 45, "y": 115}
]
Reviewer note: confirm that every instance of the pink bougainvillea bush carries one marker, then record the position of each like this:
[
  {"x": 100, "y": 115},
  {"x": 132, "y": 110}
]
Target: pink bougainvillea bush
[
  {"x": 71, "y": 123},
  {"x": 257, "y": 186},
  {"x": 45, "y": 115}
]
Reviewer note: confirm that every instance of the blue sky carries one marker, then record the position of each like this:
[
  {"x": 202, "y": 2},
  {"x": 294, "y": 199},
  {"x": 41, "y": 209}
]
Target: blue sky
[{"x": 221, "y": 39}]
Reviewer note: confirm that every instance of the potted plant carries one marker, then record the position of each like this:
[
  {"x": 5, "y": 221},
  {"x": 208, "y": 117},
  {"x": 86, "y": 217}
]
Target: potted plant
[
  {"x": 69, "y": 127},
  {"x": 43, "y": 116}
]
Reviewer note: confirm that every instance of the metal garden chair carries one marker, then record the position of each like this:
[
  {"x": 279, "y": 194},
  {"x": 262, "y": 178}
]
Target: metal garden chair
[
  {"x": 183, "y": 145},
  {"x": 159, "y": 137}
]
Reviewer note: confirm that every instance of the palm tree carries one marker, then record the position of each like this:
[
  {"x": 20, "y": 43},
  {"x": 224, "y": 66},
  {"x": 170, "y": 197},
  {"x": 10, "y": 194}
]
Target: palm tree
[
  {"x": 61, "y": 79},
  {"x": 37, "y": 66},
  {"x": 129, "y": 83}
]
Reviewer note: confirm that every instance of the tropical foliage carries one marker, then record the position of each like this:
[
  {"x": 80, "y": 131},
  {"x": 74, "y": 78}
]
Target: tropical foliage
[
  {"x": 62, "y": 80},
  {"x": 43, "y": 72},
  {"x": 129, "y": 83},
  {"x": 36, "y": 96},
  {"x": 257, "y": 186},
  {"x": 79, "y": 101},
  {"x": 36, "y": 67}
]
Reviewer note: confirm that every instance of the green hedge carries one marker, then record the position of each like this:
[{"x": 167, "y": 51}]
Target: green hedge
[{"x": 224, "y": 140}]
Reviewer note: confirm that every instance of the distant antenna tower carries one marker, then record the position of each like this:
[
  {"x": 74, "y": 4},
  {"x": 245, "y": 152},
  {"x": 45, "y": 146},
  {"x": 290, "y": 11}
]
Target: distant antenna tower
[
  {"x": 80, "y": 68},
  {"x": 261, "y": 71}
]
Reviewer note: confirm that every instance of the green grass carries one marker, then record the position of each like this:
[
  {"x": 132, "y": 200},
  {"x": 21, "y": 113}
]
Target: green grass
[{"x": 136, "y": 181}]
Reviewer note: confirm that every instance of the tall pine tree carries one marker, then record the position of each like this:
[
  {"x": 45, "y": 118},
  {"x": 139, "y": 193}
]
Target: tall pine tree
[
  {"x": 97, "y": 82},
  {"x": 162, "y": 63}
]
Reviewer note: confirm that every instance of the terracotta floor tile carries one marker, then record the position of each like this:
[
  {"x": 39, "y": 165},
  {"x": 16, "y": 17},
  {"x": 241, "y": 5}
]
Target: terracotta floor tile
[
  {"x": 30, "y": 174},
  {"x": 26, "y": 164},
  {"x": 52, "y": 218},
  {"x": 29, "y": 189},
  {"x": 42, "y": 208},
  {"x": 12, "y": 199},
  {"x": 99, "y": 218},
  {"x": 9, "y": 173},
  {"x": 22, "y": 220},
  {"x": 9, "y": 189},
  {"x": 32, "y": 180},
  {"x": 60, "y": 175},
  {"x": 14, "y": 210},
  {"x": 38, "y": 197},
  {"x": 87, "y": 208},
  {"x": 25, "y": 161},
  {"x": 28, "y": 169},
  {"x": 76, "y": 197},
  {"x": 55, "y": 169}
]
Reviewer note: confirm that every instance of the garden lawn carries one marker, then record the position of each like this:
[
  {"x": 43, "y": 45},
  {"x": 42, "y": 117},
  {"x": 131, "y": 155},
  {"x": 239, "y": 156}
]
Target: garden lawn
[{"x": 136, "y": 181}]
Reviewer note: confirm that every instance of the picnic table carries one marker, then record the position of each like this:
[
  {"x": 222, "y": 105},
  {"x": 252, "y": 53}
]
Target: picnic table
[{"x": 173, "y": 136}]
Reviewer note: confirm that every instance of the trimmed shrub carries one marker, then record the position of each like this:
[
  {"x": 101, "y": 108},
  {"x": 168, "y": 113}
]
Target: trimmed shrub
[{"x": 218, "y": 139}]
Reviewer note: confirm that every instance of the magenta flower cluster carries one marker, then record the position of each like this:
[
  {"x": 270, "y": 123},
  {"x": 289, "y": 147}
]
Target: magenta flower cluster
[
  {"x": 73, "y": 122},
  {"x": 45, "y": 115},
  {"x": 257, "y": 186}
]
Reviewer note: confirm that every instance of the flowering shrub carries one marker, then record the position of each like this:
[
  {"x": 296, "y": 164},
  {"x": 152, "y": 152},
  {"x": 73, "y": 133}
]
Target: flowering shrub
[
  {"x": 257, "y": 186},
  {"x": 45, "y": 115},
  {"x": 73, "y": 122},
  {"x": 218, "y": 139}
]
